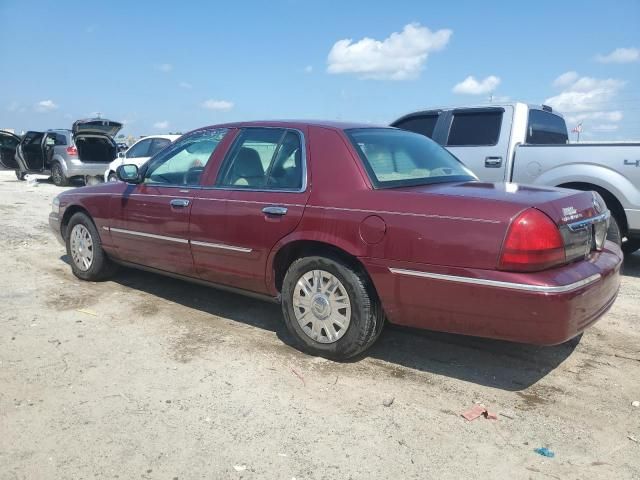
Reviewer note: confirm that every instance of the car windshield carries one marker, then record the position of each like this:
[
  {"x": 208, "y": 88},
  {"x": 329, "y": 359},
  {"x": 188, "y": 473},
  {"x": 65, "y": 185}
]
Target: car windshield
[{"x": 395, "y": 158}]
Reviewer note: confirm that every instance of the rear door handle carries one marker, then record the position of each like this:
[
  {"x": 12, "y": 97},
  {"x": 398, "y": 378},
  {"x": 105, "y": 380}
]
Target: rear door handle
[
  {"x": 179, "y": 202},
  {"x": 493, "y": 162},
  {"x": 274, "y": 210}
]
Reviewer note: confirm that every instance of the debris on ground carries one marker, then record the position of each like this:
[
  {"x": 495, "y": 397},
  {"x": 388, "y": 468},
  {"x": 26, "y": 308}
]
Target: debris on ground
[
  {"x": 633, "y": 439},
  {"x": 298, "y": 375},
  {"x": 545, "y": 452},
  {"x": 635, "y": 403},
  {"x": 87, "y": 312},
  {"x": 477, "y": 411},
  {"x": 387, "y": 402},
  {"x": 240, "y": 468}
]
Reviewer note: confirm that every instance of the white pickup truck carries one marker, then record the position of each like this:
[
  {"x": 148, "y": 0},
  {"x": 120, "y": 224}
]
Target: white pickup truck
[{"x": 521, "y": 143}]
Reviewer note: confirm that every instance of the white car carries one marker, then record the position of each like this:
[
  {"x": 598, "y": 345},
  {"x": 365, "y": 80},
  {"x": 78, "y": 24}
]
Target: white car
[{"x": 138, "y": 153}]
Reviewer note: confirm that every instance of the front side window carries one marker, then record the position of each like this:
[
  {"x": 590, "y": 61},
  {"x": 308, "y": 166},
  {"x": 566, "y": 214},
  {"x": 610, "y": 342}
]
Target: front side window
[
  {"x": 264, "y": 158},
  {"x": 545, "y": 128},
  {"x": 8, "y": 141},
  {"x": 396, "y": 158},
  {"x": 184, "y": 161},
  {"x": 158, "y": 144},
  {"x": 475, "y": 128},
  {"x": 140, "y": 149}
]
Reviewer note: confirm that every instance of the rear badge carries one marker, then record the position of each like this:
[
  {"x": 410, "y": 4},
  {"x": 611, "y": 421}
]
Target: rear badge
[{"x": 570, "y": 213}]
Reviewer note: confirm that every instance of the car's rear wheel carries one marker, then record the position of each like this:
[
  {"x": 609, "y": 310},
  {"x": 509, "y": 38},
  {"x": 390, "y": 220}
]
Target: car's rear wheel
[
  {"x": 330, "y": 308},
  {"x": 58, "y": 176},
  {"x": 84, "y": 248},
  {"x": 20, "y": 175}
]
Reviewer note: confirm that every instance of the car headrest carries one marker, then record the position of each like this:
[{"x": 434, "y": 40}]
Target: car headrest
[{"x": 248, "y": 164}]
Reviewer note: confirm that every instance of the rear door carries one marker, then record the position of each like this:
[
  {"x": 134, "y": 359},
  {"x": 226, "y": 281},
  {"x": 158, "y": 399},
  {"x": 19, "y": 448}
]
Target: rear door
[
  {"x": 480, "y": 138},
  {"x": 151, "y": 220},
  {"x": 31, "y": 151},
  {"x": 8, "y": 144},
  {"x": 262, "y": 184}
]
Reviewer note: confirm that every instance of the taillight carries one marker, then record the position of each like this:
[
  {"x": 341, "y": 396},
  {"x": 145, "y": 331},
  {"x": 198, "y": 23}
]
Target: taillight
[
  {"x": 533, "y": 242},
  {"x": 72, "y": 150}
]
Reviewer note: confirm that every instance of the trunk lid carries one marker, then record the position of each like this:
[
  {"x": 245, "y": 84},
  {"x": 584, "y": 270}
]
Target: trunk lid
[{"x": 96, "y": 126}]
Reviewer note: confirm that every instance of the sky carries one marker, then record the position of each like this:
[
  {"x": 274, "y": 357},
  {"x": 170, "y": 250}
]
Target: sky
[{"x": 174, "y": 66}]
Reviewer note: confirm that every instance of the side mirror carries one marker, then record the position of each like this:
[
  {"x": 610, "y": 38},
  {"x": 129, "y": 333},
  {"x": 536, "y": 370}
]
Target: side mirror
[{"x": 128, "y": 173}]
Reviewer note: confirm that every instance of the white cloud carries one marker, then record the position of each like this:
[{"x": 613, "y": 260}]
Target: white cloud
[
  {"x": 164, "y": 67},
  {"x": 471, "y": 86},
  {"x": 401, "y": 56},
  {"x": 185, "y": 85},
  {"x": 620, "y": 55},
  {"x": 163, "y": 125},
  {"x": 586, "y": 98},
  {"x": 565, "y": 79},
  {"x": 221, "y": 105},
  {"x": 45, "y": 106},
  {"x": 308, "y": 69}
]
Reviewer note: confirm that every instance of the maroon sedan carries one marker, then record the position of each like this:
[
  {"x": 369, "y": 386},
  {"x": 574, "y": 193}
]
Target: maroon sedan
[{"x": 349, "y": 226}]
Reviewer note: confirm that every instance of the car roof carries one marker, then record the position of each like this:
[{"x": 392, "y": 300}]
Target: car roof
[
  {"x": 331, "y": 124},
  {"x": 168, "y": 137}
]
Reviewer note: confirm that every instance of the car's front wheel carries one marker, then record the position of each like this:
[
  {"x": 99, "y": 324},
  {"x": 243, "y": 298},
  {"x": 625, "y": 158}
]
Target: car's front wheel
[
  {"x": 58, "y": 176},
  {"x": 112, "y": 177},
  {"x": 330, "y": 308},
  {"x": 84, "y": 248}
]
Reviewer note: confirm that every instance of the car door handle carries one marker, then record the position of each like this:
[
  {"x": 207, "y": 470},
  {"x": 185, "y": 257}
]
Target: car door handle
[
  {"x": 274, "y": 210},
  {"x": 493, "y": 162},
  {"x": 179, "y": 203}
]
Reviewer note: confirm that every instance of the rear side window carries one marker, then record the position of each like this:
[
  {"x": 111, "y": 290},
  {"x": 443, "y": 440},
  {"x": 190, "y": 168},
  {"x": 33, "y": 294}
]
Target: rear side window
[
  {"x": 59, "y": 139},
  {"x": 545, "y": 128},
  {"x": 422, "y": 124},
  {"x": 474, "y": 128},
  {"x": 265, "y": 159}
]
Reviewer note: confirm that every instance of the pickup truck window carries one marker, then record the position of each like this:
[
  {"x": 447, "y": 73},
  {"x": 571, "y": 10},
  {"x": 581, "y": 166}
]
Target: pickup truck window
[
  {"x": 422, "y": 124},
  {"x": 474, "y": 128},
  {"x": 397, "y": 158},
  {"x": 545, "y": 128}
]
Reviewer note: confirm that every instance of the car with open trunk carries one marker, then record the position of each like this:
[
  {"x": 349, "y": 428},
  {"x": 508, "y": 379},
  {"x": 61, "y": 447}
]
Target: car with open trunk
[{"x": 350, "y": 226}]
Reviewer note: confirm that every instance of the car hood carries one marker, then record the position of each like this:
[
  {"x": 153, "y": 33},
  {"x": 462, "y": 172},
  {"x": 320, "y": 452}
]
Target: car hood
[
  {"x": 96, "y": 125},
  {"x": 497, "y": 199}
]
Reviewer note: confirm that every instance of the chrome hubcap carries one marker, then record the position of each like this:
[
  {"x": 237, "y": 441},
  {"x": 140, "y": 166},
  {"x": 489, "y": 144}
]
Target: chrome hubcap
[
  {"x": 81, "y": 247},
  {"x": 322, "y": 306}
]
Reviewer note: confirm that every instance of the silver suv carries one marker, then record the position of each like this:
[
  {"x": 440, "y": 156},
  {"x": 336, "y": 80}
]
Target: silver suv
[{"x": 84, "y": 151}]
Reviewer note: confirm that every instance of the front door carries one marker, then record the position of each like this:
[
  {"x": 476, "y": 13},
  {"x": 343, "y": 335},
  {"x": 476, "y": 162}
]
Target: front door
[
  {"x": 8, "y": 144},
  {"x": 260, "y": 193},
  {"x": 151, "y": 219}
]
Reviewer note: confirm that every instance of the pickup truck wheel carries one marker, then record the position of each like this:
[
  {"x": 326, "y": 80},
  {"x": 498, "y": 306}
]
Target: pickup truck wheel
[
  {"x": 20, "y": 175},
  {"x": 58, "y": 176},
  {"x": 84, "y": 248},
  {"x": 631, "y": 245},
  {"x": 329, "y": 308},
  {"x": 613, "y": 233}
]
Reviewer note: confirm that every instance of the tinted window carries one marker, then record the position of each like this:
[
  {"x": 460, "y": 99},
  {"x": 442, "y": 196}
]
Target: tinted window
[
  {"x": 422, "y": 124},
  {"x": 8, "y": 141},
  {"x": 546, "y": 128},
  {"x": 60, "y": 139},
  {"x": 475, "y": 128},
  {"x": 184, "y": 161},
  {"x": 140, "y": 149},
  {"x": 158, "y": 144},
  {"x": 264, "y": 158},
  {"x": 399, "y": 158},
  {"x": 32, "y": 138}
]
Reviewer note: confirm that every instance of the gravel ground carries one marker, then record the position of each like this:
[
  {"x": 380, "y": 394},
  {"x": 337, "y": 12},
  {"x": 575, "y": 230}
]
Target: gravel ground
[{"x": 148, "y": 377}]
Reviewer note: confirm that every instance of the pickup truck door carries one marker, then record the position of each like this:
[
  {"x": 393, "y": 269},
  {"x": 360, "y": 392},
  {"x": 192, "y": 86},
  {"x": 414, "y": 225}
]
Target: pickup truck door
[
  {"x": 257, "y": 198},
  {"x": 480, "y": 138}
]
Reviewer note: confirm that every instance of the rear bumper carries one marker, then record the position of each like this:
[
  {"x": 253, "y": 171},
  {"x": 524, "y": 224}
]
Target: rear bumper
[
  {"x": 544, "y": 308},
  {"x": 76, "y": 168}
]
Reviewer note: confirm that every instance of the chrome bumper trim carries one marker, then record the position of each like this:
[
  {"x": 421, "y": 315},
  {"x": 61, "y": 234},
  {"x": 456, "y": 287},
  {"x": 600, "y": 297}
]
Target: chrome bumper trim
[{"x": 496, "y": 283}]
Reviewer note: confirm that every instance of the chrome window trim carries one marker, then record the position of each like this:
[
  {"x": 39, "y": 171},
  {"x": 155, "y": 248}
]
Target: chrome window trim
[
  {"x": 303, "y": 145},
  {"x": 409, "y": 214},
  {"x": 220, "y": 246},
  {"x": 496, "y": 283},
  {"x": 148, "y": 235}
]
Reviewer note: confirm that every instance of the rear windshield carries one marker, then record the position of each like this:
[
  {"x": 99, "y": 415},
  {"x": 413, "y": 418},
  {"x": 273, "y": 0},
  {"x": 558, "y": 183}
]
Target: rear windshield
[
  {"x": 395, "y": 158},
  {"x": 545, "y": 128}
]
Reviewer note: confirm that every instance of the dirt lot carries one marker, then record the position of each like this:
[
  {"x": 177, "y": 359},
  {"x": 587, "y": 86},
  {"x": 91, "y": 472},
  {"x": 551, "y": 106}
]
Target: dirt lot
[{"x": 147, "y": 377}]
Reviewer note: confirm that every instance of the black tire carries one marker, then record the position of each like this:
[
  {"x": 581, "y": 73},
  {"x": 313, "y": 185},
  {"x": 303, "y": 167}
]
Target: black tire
[
  {"x": 58, "y": 176},
  {"x": 613, "y": 233},
  {"x": 631, "y": 245},
  {"x": 366, "y": 320},
  {"x": 112, "y": 177},
  {"x": 20, "y": 175},
  {"x": 101, "y": 266}
]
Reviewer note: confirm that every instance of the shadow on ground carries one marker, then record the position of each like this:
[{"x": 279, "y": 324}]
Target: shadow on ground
[
  {"x": 498, "y": 364},
  {"x": 631, "y": 266}
]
